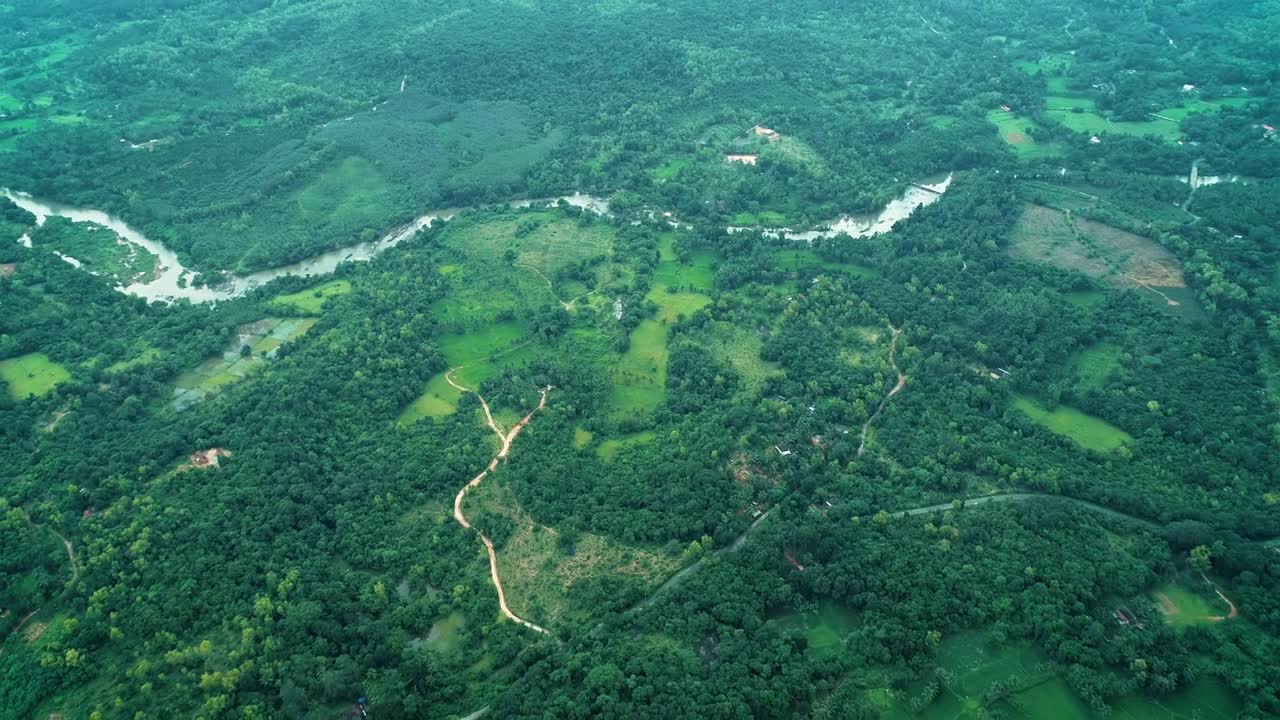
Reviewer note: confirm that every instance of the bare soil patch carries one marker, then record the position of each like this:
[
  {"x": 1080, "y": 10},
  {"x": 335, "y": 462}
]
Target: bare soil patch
[
  {"x": 1118, "y": 258},
  {"x": 1016, "y": 138}
]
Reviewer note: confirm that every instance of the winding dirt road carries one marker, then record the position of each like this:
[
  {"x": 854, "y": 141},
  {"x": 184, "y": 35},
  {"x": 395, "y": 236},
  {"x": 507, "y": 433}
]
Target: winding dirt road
[
  {"x": 506, "y": 440},
  {"x": 902, "y": 382}
]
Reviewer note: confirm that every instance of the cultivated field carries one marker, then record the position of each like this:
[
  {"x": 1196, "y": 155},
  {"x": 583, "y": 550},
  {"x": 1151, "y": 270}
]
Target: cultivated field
[{"x": 262, "y": 338}]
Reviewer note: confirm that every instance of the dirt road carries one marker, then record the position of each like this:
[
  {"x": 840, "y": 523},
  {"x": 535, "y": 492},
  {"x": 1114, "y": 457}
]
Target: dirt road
[
  {"x": 902, "y": 382},
  {"x": 506, "y": 439}
]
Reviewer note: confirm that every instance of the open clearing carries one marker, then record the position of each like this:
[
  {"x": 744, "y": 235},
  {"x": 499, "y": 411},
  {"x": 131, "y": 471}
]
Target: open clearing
[
  {"x": 262, "y": 338},
  {"x": 797, "y": 260},
  {"x": 976, "y": 665},
  {"x": 739, "y": 347},
  {"x": 1087, "y": 431},
  {"x": 825, "y": 629},
  {"x": 1117, "y": 258},
  {"x": 640, "y": 376},
  {"x": 312, "y": 300},
  {"x": 1182, "y": 608},
  {"x": 1018, "y": 132},
  {"x": 608, "y": 450},
  {"x": 547, "y": 580},
  {"x": 439, "y": 399},
  {"x": 31, "y": 375}
]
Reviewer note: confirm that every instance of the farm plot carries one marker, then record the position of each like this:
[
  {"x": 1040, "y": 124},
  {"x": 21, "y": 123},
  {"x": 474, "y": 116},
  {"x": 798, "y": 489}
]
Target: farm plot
[
  {"x": 797, "y": 260},
  {"x": 1087, "y": 431},
  {"x": 31, "y": 375},
  {"x": 1096, "y": 364},
  {"x": 254, "y": 345},
  {"x": 525, "y": 255}
]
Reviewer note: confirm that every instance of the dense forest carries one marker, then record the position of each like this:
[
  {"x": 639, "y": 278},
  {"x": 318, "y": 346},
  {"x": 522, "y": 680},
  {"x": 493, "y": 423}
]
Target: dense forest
[{"x": 620, "y": 359}]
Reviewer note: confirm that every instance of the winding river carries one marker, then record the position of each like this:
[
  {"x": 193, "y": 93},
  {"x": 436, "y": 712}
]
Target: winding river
[{"x": 174, "y": 281}]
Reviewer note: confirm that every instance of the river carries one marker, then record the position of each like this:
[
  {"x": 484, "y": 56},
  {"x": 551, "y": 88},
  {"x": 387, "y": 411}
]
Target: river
[
  {"x": 916, "y": 196},
  {"x": 174, "y": 281}
]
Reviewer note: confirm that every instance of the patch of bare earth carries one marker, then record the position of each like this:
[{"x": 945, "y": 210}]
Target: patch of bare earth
[{"x": 1118, "y": 258}]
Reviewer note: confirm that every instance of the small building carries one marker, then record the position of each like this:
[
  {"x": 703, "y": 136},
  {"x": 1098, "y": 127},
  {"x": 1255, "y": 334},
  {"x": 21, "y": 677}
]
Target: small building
[
  {"x": 1006, "y": 108},
  {"x": 1188, "y": 88},
  {"x": 742, "y": 159},
  {"x": 1269, "y": 129},
  {"x": 1095, "y": 140},
  {"x": 766, "y": 133}
]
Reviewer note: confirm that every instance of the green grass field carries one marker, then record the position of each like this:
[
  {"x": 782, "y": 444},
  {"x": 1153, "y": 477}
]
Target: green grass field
[
  {"x": 825, "y": 629},
  {"x": 1191, "y": 608},
  {"x": 640, "y": 375},
  {"x": 312, "y": 300},
  {"x": 478, "y": 345},
  {"x": 1018, "y": 131},
  {"x": 439, "y": 399},
  {"x": 1087, "y": 431},
  {"x": 146, "y": 357},
  {"x": 608, "y": 450},
  {"x": 741, "y": 349},
  {"x": 670, "y": 169},
  {"x": 1095, "y": 364},
  {"x": 31, "y": 375}
]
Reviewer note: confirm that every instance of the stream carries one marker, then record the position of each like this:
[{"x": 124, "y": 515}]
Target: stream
[{"x": 174, "y": 281}]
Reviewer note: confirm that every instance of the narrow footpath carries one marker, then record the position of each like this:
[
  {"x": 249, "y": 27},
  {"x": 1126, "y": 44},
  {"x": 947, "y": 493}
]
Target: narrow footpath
[
  {"x": 506, "y": 440},
  {"x": 71, "y": 557}
]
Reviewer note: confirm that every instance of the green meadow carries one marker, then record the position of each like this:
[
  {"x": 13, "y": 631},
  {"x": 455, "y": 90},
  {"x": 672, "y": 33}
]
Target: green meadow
[
  {"x": 439, "y": 399},
  {"x": 1018, "y": 132},
  {"x": 1087, "y": 431},
  {"x": 31, "y": 375},
  {"x": 608, "y": 449},
  {"x": 312, "y": 300},
  {"x": 825, "y": 629},
  {"x": 640, "y": 375},
  {"x": 1183, "y": 608}
]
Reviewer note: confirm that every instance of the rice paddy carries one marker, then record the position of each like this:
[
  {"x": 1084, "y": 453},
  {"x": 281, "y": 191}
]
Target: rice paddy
[
  {"x": 1087, "y": 431},
  {"x": 32, "y": 375},
  {"x": 254, "y": 345}
]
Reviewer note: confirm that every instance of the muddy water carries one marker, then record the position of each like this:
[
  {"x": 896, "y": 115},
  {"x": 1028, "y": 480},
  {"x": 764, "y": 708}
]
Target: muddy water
[
  {"x": 174, "y": 281},
  {"x": 917, "y": 195}
]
